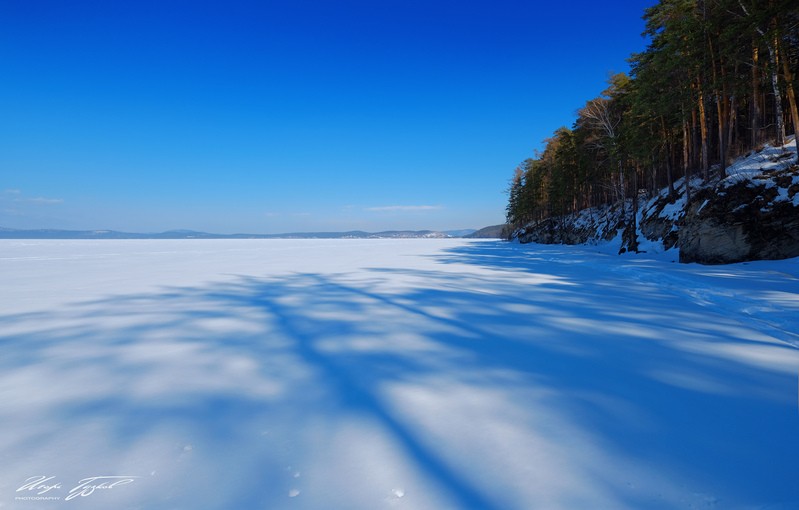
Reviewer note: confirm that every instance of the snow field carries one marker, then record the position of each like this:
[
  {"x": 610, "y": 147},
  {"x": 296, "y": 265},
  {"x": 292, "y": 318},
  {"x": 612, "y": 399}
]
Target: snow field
[{"x": 366, "y": 374}]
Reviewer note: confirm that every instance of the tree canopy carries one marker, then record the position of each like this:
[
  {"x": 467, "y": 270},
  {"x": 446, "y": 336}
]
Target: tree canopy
[{"x": 716, "y": 81}]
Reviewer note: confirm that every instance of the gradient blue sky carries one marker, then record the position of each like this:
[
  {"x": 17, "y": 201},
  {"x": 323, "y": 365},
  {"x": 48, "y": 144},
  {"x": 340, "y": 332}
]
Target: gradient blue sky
[{"x": 290, "y": 115}]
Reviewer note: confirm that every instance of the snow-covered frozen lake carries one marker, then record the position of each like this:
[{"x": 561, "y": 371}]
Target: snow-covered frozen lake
[{"x": 412, "y": 374}]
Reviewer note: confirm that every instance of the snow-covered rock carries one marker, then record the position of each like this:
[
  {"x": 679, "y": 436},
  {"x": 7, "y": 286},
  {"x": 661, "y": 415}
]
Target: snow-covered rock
[
  {"x": 589, "y": 226},
  {"x": 753, "y": 219}
]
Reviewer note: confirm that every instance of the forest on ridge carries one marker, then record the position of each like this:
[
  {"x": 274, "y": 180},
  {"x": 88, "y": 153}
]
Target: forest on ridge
[{"x": 717, "y": 80}]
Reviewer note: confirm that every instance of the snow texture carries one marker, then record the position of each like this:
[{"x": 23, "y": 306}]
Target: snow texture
[
  {"x": 415, "y": 374},
  {"x": 769, "y": 159}
]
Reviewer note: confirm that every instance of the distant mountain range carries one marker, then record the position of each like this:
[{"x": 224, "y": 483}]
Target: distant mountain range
[{"x": 9, "y": 233}]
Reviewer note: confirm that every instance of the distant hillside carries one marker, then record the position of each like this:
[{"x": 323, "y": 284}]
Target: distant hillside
[
  {"x": 464, "y": 232},
  {"x": 8, "y": 233},
  {"x": 492, "y": 232}
]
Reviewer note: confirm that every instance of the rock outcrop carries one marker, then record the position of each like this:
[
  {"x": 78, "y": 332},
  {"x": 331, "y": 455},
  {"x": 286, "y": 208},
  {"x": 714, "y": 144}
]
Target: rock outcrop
[
  {"x": 756, "y": 219},
  {"x": 753, "y": 214},
  {"x": 588, "y": 226}
]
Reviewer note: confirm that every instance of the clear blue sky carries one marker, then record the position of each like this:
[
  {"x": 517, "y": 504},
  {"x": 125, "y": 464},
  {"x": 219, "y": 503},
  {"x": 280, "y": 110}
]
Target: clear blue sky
[{"x": 274, "y": 116}]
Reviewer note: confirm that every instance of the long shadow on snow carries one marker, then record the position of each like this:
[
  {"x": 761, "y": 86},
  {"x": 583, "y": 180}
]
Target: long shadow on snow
[{"x": 609, "y": 364}]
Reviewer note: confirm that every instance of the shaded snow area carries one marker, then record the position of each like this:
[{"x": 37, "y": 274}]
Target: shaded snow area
[
  {"x": 768, "y": 168},
  {"x": 393, "y": 374},
  {"x": 672, "y": 211},
  {"x": 769, "y": 159}
]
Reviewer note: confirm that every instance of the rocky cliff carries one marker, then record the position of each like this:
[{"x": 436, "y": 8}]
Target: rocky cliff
[
  {"x": 752, "y": 214},
  {"x": 755, "y": 219}
]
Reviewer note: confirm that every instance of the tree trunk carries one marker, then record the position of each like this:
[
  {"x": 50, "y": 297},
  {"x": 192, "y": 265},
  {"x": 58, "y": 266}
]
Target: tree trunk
[
  {"x": 721, "y": 106},
  {"x": 669, "y": 175},
  {"x": 755, "y": 120},
  {"x": 703, "y": 131},
  {"x": 686, "y": 162},
  {"x": 775, "y": 86},
  {"x": 654, "y": 184},
  {"x": 694, "y": 140},
  {"x": 732, "y": 119},
  {"x": 629, "y": 237},
  {"x": 634, "y": 237},
  {"x": 786, "y": 71},
  {"x": 723, "y": 145}
]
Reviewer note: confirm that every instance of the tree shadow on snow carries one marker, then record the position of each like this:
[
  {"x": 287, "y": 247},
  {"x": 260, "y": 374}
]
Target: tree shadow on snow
[{"x": 505, "y": 379}]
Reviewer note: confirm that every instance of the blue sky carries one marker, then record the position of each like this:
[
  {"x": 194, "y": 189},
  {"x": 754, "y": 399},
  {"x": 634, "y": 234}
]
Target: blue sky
[{"x": 292, "y": 115}]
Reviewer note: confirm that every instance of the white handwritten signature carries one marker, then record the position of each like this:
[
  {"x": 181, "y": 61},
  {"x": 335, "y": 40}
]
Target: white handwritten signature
[{"x": 85, "y": 487}]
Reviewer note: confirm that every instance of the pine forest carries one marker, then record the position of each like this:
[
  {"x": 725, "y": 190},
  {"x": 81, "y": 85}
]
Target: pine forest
[{"x": 716, "y": 81}]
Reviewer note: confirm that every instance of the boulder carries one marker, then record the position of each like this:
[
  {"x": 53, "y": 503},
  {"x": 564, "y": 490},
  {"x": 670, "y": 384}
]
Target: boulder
[{"x": 756, "y": 219}]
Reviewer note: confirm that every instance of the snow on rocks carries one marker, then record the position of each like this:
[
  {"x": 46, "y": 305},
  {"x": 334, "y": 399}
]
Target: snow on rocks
[{"x": 752, "y": 214}]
